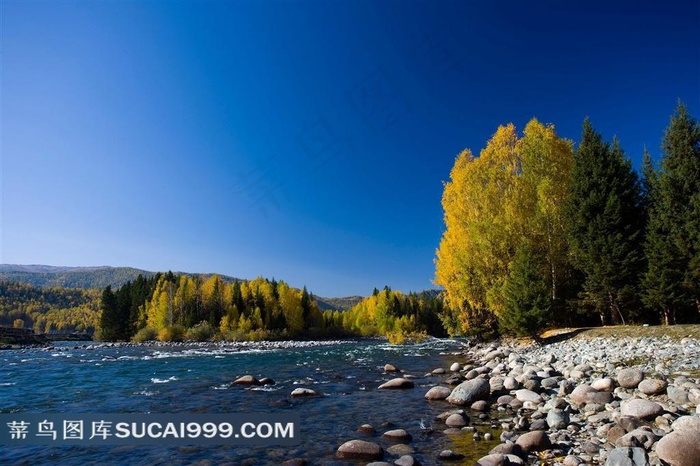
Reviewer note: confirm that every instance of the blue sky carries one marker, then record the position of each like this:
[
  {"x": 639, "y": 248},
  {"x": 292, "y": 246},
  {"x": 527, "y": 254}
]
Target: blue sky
[{"x": 306, "y": 141}]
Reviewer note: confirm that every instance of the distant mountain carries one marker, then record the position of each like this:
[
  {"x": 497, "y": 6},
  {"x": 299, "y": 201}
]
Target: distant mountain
[
  {"x": 70, "y": 277},
  {"x": 338, "y": 304}
]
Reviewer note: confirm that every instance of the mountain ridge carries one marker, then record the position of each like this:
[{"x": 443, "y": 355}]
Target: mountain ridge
[{"x": 91, "y": 277}]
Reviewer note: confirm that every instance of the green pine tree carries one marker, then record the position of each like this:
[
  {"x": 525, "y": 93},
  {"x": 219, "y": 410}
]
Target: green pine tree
[
  {"x": 672, "y": 280},
  {"x": 528, "y": 302},
  {"x": 605, "y": 225}
]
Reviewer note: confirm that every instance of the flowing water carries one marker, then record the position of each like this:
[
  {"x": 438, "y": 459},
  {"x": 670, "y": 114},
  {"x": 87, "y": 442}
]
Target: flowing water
[{"x": 196, "y": 379}]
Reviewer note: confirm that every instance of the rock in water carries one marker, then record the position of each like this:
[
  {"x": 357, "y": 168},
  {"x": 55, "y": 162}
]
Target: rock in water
[
  {"x": 303, "y": 392},
  {"x": 399, "y": 383},
  {"x": 438, "y": 393},
  {"x": 449, "y": 455},
  {"x": 247, "y": 380},
  {"x": 390, "y": 368},
  {"x": 627, "y": 457},
  {"x": 397, "y": 435},
  {"x": 470, "y": 391},
  {"x": 360, "y": 449},
  {"x": 680, "y": 448}
]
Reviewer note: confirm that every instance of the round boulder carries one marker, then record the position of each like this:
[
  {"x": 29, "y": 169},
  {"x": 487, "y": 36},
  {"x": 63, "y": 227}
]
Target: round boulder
[
  {"x": 399, "y": 383},
  {"x": 247, "y": 380},
  {"x": 641, "y": 409},
  {"x": 390, "y": 368},
  {"x": 680, "y": 448},
  {"x": 438, "y": 393},
  {"x": 686, "y": 423},
  {"x": 456, "y": 420},
  {"x": 470, "y": 391},
  {"x": 303, "y": 392},
  {"x": 652, "y": 386},
  {"x": 456, "y": 367},
  {"x": 360, "y": 449},
  {"x": 534, "y": 441},
  {"x": 629, "y": 377},
  {"x": 397, "y": 436}
]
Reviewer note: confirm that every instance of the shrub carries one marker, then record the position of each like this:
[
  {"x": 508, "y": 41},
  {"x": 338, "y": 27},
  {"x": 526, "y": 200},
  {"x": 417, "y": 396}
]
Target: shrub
[
  {"x": 172, "y": 333},
  {"x": 203, "y": 331},
  {"x": 145, "y": 334}
]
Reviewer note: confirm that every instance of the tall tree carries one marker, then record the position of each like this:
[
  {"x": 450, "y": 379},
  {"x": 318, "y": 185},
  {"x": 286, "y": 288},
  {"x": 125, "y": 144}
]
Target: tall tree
[
  {"x": 110, "y": 320},
  {"x": 672, "y": 281},
  {"x": 511, "y": 194},
  {"x": 605, "y": 224}
]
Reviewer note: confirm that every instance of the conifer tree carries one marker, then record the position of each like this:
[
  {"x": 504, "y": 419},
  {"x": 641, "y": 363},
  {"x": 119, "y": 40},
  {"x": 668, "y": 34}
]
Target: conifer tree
[
  {"x": 672, "y": 280},
  {"x": 605, "y": 225}
]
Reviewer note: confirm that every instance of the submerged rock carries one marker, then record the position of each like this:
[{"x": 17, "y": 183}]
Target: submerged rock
[
  {"x": 399, "y": 383},
  {"x": 360, "y": 449}
]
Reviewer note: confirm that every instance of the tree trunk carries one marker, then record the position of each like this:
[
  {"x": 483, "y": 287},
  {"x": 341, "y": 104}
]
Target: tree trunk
[
  {"x": 666, "y": 315},
  {"x": 615, "y": 307}
]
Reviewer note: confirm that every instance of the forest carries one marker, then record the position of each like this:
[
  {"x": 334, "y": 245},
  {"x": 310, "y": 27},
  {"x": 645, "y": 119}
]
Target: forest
[
  {"x": 173, "y": 308},
  {"x": 539, "y": 232}
]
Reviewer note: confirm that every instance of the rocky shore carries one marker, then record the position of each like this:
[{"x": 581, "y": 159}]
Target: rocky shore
[{"x": 631, "y": 401}]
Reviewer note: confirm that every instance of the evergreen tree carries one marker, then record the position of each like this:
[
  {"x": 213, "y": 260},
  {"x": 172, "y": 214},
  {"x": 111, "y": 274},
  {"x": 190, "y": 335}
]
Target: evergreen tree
[
  {"x": 605, "y": 225},
  {"x": 528, "y": 303},
  {"x": 672, "y": 280},
  {"x": 110, "y": 318},
  {"x": 306, "y": 308}
]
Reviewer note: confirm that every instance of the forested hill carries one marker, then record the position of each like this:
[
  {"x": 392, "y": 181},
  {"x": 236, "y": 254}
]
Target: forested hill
[
  {"x": 78, "y": 277},
  {"x": 49, "y": 276}
]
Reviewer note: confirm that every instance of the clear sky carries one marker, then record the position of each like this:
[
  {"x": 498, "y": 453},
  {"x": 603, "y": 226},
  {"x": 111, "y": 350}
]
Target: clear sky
[{"x": 303, "y": 141}]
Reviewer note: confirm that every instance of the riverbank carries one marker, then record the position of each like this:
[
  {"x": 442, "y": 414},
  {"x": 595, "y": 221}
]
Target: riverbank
[{"x": 615, "y": 396}]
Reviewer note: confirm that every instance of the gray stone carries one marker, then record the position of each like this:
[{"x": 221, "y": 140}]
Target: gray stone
[
  {"x": 686, "y": 423},
  {"x": 508, "y": 449},
  {"x": 497, "y": 459},
  {"x": 638, "y": 438},
  {"x": 449, "y": 455},
  {"x": 603, "y": 385},
  {"x": 627, "y": 457},
  {"x": 582, "y": 393},
  {"x": 456, "y": 367},
  {"x": 629, "y": 377},
  {"x": 510, "y": 383},
  {"x": 400, "y": 449},
  {"x": 680, "y": 448},
  {"x": 557, "y": 419},
  {"x": 407, "y": 460},
  {"x": 303, "y": 392},
  {"x": 397, "y": 435},
  {"x": 528, "y": 395},
  {"x": 480, "y": 405},
  {"x": 456, "y": 420},
  {"x": 470, "y": 391},
  {"x": 360, "y": 449},
  {"x": 572, "y": 460},
  {"x": 677, "y": 395},
  {"x": 390, "y": 368},
  {"x": 439, "y": 371},
  {"x": 534, "y": 441},
  {"x": 267, "y": 381},
  {"x": 367, "y": 429},
  {"x": 642, "y": 409},
  {"x": 399, "y": 383},
  {"x": 247, "y": 380},
  {"x": 438, "y": 393},
  {"x": 652, "y": 386}
]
